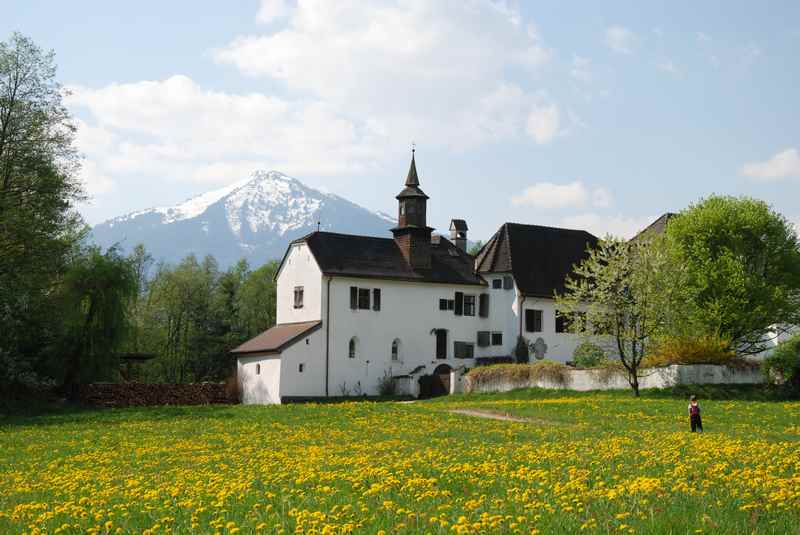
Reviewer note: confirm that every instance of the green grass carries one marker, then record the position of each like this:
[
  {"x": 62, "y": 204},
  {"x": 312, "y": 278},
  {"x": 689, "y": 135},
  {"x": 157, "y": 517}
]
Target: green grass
[{"x": 602, "y": 461}]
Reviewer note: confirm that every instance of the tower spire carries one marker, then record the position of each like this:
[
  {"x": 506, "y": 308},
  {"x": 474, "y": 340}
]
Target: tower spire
[{"x": 412, "y": 180}]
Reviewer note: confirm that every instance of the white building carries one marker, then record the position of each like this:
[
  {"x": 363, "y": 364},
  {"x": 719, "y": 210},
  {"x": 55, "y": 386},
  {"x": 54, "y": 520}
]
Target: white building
[{"x": 356, "y": 311}]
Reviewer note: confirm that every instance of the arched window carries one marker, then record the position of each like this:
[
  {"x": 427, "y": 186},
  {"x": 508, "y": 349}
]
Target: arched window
[
  {"x": 396, "y": 349},
  {"x": 351, "y": 350},
  {"x": 258, "y": 369}
]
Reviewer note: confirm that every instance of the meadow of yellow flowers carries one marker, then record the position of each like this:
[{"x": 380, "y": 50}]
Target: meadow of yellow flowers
[{"x": 599, "y": 463}]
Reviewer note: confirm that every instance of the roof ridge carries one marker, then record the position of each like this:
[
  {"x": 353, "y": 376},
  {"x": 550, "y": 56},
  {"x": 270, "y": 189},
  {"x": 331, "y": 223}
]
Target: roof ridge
[
  {"x": 547, "y": 227},
  {"x": 510, "y": 255}
]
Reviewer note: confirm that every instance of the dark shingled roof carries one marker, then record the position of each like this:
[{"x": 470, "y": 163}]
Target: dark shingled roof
[
  {"x": 277, "y": 338},
  {"x": 458, "y": 224},
  {"x": 368, "y": 257},
  {"x": 539, "y": 258},
  {"x": 659, "y": 226}
]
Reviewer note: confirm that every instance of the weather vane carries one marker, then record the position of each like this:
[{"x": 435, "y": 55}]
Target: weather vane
[{"x": 413, "y": 147}]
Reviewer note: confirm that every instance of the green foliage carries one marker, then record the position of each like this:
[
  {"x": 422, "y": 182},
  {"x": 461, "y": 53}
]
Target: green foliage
[
  {"x": 700, "y": 349},
  {"x": 476, "y": 248},
  {"x": 736, "y": 265},
  {"x": 783, "y": 364},
  {"x": 96, "y": 294},
  {"x": 521, "y": 374},
  {"x": 38, "y": 186},
  {"x": 192, "y": 314},
  {"x": 522, "y": 351},
  {"x": 588, "y": 355}
]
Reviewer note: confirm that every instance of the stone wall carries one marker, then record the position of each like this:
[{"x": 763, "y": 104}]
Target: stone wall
[
  {"x": 142, "y": 394},
  {"x": 596, "y": 379}
]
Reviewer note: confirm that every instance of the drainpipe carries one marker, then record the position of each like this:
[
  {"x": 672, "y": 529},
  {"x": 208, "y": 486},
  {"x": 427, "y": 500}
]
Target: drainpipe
[
  {"x": 519, "y": 312},
  {"x": 327, "y": 334}
]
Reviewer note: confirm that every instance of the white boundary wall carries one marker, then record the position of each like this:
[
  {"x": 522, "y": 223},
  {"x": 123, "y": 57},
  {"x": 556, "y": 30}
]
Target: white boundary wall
[{"x": 676, "y": 374}]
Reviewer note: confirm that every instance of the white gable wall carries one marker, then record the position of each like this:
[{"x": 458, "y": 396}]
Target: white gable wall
[{"x": 299, "y": 269}]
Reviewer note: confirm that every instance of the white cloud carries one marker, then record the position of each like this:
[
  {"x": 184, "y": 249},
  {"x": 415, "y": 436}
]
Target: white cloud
[
  {"x": 602, "y": 198},
  {"x": 543, "y": 122},
  {"x": 173, "y": 129},
  {"x": 551, "y": 196},
  {"x": 600, "y": 225},
  {"x": 271, "y": 10},
  {"x": 784, "y": 164},
  {"x": 620, "y": 39},
  {"x": 430, "y": 71}
]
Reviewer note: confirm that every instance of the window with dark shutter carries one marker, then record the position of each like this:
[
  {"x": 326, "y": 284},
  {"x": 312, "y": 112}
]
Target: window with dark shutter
[
  {"x": 363, "y": 298},
  {"x": 442, "y": 304},
  {"x": 441, "y": 343},
  {"x": 533, "y": 320},
  {"x": 451, "y": 304},
  {"x": 483, "y": 338},
  {"x": 459, "y": 304},
  {"x": 353, "y": 297},
  {"x": 497, "y": 284},
  {"x": 508, "y": 282},
  {"x": 469, "y": 305},
  {"x": 483, "y": 306},
  {"x": 376, "y": 299},
  {"x": 497, "y": 339},
  {"x": 463, "y": 350}
]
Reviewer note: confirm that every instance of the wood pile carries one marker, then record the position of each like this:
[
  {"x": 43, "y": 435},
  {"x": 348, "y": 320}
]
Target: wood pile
[{"x": 145, "y": 395}]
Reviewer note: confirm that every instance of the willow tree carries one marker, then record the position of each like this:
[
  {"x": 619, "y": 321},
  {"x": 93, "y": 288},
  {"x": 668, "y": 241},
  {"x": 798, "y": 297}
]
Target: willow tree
[{"x": 96, "y": 295}]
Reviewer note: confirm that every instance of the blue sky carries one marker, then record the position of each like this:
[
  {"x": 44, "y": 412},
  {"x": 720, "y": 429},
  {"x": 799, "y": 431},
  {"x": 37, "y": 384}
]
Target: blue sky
[{"x": 598, "y": 116}]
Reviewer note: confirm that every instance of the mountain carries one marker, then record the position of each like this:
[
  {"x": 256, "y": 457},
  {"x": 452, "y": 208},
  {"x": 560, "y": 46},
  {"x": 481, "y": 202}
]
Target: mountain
[{"x": 253, "y": 219}]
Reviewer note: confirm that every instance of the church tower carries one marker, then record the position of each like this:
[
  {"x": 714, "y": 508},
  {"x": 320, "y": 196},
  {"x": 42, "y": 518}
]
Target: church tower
[{"x": 412, "y": 234}]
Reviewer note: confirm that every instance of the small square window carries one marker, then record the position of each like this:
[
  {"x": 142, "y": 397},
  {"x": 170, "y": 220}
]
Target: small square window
[
  {"x": 533, "y": 321},
  {"x": 497, "y": 284},
  {"x": 508, "y": 282},
  {"x": 497, "y": 339},
  {"x": 301, "y": 367},
  {"x": 442, "y": 304},
  {"x": 561, "y": 323}
]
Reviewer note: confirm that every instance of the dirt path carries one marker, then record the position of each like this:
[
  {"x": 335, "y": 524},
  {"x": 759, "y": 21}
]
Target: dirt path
[{"x": 492, "y": 415}]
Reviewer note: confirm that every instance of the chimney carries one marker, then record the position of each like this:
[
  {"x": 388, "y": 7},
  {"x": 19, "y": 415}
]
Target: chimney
[{"x": 458, "y": 233}]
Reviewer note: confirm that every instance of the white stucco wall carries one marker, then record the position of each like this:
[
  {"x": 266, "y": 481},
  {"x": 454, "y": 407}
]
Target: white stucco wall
[
  {"x": 260, "y": 388},
  {"x": 310, "y": 352},
  {"x": 409, "y": 311},
  {"x": 504, "y": 305},
  {"x": 299, "y": 269},
  {"x": 584, "y": 380}
]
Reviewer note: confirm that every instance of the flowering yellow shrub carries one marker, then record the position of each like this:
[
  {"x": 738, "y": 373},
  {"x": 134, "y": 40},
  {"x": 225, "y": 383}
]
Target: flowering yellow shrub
[
  {"x": 704, "y": 349},
  {"x": 600, "y": 463}
]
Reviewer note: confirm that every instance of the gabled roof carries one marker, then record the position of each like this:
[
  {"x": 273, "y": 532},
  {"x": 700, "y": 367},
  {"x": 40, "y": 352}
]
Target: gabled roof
[
  {"x": 459, "y": 225},
  {"x": 659, "y": 226},
  {"x": 277, "y": 338},
  {"x": 539, "y": 258},
  {"x": 365, "y": 256}
]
